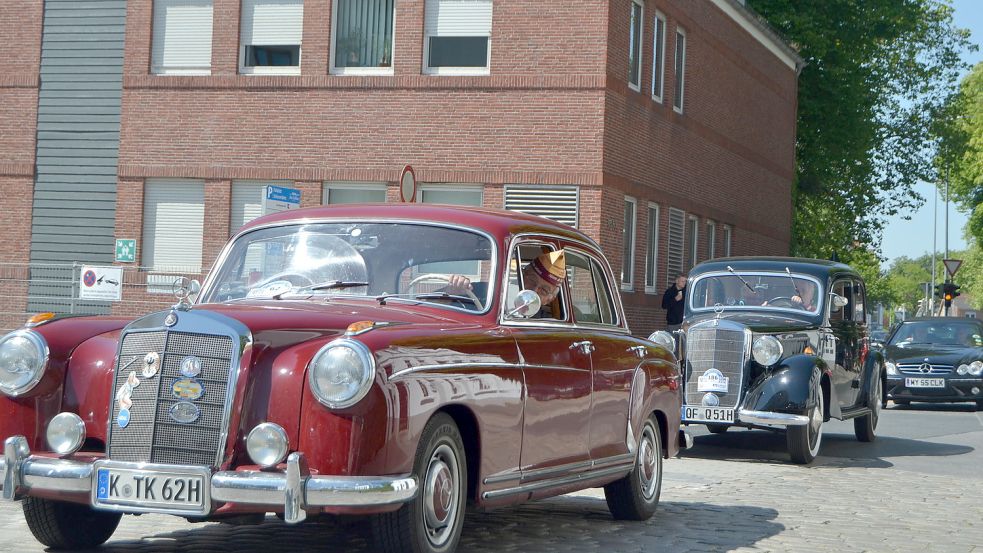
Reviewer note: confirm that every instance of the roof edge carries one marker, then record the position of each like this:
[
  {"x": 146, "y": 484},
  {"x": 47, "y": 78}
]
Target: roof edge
[{"x": 762, "y": 31}]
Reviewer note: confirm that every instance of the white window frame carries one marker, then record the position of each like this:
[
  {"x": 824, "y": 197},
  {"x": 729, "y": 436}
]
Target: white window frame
[
  {"x": 157, "y": 40},
  {"x": 628, "y": 265},
  {"x": 711, "y": 239},
  {"x": 652, "y": 249},
  {"x": 328, "y": 186},
  {"x": 427, "y": 70},
  {"x": 728, "y": 236},
  {"x": 659, "y": 62},
  {"x": 679, "y": 68},
  {"x": 441, "y": 187},
  {"x": 268, "y": 69},
  {"x": 693, "y": 254},
  {"x": 637, "y": 87},
  {"x": 378, "y": 71}
]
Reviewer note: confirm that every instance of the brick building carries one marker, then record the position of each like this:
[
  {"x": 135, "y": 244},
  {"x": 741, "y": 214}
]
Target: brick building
[{"x": 663, "y": 128}]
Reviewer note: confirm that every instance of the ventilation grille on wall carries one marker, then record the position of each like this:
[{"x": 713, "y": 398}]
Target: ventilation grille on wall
[
  {"x": 560, "y": 203},
  {"x": 677, "y": 224}
]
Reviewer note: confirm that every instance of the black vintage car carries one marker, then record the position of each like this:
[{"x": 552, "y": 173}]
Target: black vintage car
[
  {"x": 782, "y": 344},
  {"x": 935, "y": 359}
]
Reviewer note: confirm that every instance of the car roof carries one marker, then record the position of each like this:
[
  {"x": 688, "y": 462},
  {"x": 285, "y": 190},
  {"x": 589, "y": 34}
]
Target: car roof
[
  {"x": 819, "y": 268},
  {"x": 498, "y": 222},
  {"x": 941, "y": 319}
]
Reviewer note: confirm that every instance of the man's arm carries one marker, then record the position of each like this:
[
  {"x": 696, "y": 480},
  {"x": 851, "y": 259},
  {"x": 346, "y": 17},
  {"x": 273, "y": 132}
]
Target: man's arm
[{"x": 667, "y": 297}]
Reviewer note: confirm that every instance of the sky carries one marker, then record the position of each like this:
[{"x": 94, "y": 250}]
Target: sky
[{"x": 915, "y": 237}]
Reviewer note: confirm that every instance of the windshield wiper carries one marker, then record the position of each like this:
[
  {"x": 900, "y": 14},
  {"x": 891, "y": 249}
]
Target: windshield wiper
[
  {"x": 731, "y": 269},
  {"x": 328, "y": 285},
  {"x": 794, "y": 287},
  {"x": 424, "y": 296}
]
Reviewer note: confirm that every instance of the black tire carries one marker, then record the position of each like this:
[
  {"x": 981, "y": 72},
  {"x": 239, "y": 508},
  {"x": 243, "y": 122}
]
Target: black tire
[
  {"x": 883, "y": 395},
  {"x": 60, "y": 525},
  {"x": 441, "y": 467},
  {"x": 865, "y": 427},
  {"x": 717, "y": 429},
  {"x": 636, "y": 496},
  {"x": 803, "y": 441}
]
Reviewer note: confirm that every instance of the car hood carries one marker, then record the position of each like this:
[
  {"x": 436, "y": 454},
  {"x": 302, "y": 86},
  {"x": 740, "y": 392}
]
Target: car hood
[
  {"x": 937, "y": 354},
  {"x": 762, "y": 321}
]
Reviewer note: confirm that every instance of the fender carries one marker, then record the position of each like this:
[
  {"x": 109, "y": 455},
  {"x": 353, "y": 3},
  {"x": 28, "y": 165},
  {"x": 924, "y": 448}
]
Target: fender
[
  {"x": 873, "y": 373},
  {"x": 655, "y": 387},
  {"x": 785, "y": 388}
]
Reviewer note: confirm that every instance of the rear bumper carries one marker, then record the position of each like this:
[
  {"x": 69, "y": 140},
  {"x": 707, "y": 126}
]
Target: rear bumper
[{"x": 294, "y": 489}]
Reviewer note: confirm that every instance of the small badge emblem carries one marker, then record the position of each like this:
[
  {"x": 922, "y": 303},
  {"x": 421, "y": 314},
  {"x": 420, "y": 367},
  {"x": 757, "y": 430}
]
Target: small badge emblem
[
  {"x": 713, "y": 381},
  {"x": 187, "y": 388},
  {"x": 123, "y": 419},
  {"x": 151, "y": 364},
  {"x": 171, "y": 319},
  {"x": 184, "y": 412},
  {"x": 710, "y": 400},
  {"x": 132, "y": 380},
  {"x": 191, "y": 366}
]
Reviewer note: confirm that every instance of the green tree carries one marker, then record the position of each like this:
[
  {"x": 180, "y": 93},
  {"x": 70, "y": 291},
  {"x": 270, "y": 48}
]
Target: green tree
[
  {"x": 961, "y": 155},
  {"x": 906, "y": 278},
  {"x": 878, "y": 72}
]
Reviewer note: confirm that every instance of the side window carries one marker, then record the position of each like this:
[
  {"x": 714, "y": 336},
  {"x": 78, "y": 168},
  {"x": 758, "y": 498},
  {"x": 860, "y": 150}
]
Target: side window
[
  {"x": 520, "y": 258},
  {"x": 841, "y": 288},
  {"x": 583, "y": 289},
  {"x": 859, "y": 313},
  {"x": 605, "y": 302}
]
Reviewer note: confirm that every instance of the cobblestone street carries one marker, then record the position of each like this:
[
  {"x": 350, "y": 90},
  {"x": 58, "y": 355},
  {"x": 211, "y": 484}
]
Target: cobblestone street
[{"x": 732, "y": 492}]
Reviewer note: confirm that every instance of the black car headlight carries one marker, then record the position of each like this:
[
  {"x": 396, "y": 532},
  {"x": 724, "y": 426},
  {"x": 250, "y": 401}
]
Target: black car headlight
[
  {"x": 23, "y": 357},
  {"x": 973, "y": 369},
  {"x": 767, "y": 350},
  {"x": 892, "y": 368},
  {"x": 341, "y": 373}
]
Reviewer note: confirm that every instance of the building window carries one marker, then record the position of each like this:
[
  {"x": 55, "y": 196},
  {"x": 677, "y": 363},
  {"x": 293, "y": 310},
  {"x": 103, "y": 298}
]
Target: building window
[
  {"x": 635, "y": 46},
  {"x": 659, "y": 58},
  {"x": 271, "y": 36},
  {"x": 173, "y": 225},
  {"x": 692, "y": 242},
  {"x": 363, "y": 37},
  {"x": 353, "y": 192},
  {"x": 560, "y": 203},
  {"x": 457, "y": 37},
  {"x": 462, "y": 194},
  {"x": 674, "y": 252},
  {"x": 677, "y": 101},
  {"x": 628, "y": 245},
  {"x": 652, "y": 250},
  {"x": 728, "y": 231},
  {"x": 711, "y": 239},
  {"x": 182, "y": 42}
]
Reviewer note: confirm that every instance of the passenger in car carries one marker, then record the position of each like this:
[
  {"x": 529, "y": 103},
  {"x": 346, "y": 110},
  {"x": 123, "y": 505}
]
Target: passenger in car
[{"x": 542, "y": 275}]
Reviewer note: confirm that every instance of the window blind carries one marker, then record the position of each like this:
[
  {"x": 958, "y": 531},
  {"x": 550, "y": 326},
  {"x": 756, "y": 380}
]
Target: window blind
[
  {"x": 559, "y": 203},
  {"x": 182, "y": 33},
  {"x": 458, "y": 18},
  {"x": 173, "y": 224},
  {"x": 272, "y": 22}
]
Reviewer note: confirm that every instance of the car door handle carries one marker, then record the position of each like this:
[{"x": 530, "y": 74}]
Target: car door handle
[
  {"x": 585, "y": 346},
  {"x": 640, "y": 351}
]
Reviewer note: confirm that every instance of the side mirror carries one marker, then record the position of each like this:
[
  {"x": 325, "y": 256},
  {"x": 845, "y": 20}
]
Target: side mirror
[
  {"x": 526, "y": 305},
  {"x": 839, "y": 301},
  {"x": 664, "y": 339}
]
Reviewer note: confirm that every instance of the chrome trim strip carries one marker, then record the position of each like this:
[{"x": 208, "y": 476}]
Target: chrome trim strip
[
  {"x": 71, "y": 476},
  {"x": 404, "y": 372},
  {"x": 556, "y": 482},
  {"x": 576, "y": 467},
  {"x": 769, "y": 417},
  {"x": 489, "y": 296},
  {"x": 496, "y": 478}
]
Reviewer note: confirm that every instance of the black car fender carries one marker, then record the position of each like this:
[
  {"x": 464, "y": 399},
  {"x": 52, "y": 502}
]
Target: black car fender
[
  {"x": 874, "y": 373},
  {"x": 785, "y": 388}
]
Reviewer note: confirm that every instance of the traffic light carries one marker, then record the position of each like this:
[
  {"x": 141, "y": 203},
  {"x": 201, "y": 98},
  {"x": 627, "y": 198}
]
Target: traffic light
[
  {"x": 940, "y": 290},
  {"x": 950, "y": 292}
]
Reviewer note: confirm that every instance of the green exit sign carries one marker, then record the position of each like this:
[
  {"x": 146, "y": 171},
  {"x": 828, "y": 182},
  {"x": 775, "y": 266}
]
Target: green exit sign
[{"x": 126, "y": 250}]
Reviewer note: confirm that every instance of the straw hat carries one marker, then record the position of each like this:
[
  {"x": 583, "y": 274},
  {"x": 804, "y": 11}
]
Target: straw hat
[{"x": 551, "y": 267}]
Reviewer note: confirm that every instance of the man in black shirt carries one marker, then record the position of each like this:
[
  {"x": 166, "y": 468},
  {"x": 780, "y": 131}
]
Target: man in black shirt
[{"x": 673, "y": 301}]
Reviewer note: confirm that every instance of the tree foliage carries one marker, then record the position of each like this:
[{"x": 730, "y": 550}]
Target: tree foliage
[
  {"x": 961, "y": 156},
  {"x": 878, "y": 72}
]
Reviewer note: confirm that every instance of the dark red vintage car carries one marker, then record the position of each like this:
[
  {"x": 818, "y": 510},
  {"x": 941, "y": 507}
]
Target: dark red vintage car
[{"x": 328, "y": 367}]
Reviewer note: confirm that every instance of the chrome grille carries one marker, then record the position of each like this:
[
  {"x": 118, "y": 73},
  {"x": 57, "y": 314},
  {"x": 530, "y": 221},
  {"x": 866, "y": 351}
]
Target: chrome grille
[
  {"x": 151, "y": 435},
  {"x": 715, "y": 347},
  {"x": 916, "y": 369}
]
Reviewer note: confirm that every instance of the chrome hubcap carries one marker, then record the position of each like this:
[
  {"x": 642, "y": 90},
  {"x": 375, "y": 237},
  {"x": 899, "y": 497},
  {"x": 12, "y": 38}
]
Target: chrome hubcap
[
  {"x": 440, "y": 495},
  {"x": 816, "y": 424},
  {"x": 878, "y": 396},
  {"x": 648, "y": 461}
]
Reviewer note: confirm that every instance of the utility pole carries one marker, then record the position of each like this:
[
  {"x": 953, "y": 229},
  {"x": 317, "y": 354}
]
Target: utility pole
[{"x": 935, "y": 241}]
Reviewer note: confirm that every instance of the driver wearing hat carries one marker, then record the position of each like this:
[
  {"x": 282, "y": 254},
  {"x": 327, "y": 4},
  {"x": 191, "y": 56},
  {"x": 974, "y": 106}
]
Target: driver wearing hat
[{"x": 542, "y": 275}]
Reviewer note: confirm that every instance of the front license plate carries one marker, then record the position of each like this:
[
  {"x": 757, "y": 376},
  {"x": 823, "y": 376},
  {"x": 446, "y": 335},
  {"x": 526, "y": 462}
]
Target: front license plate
[
  {"x": 151, "y": 489},
  {"x": 708, "y": 414},
  {"x": 924, "y": 383}
]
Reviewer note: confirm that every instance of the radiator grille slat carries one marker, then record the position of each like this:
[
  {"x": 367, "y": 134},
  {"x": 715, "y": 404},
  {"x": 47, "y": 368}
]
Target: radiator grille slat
[
  {"x": 711, "y": 347},
  {"x": 152, "y": 436}
]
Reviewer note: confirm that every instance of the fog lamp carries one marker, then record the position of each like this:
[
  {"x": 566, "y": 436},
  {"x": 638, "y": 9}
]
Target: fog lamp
[
  {"x": 66, "y": 433},
  {"x": 267, "y": 444}
]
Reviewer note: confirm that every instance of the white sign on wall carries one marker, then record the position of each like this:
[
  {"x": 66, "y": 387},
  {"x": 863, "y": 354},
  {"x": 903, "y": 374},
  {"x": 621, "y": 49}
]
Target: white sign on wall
[
  {"x": 280, "y": 198},
  {"x": 101, "y": 283}
]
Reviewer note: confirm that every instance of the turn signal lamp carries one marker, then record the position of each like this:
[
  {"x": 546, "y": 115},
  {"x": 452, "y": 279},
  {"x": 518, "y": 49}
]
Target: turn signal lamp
[
  {"x": 40, "y": 318},
  {"x": 359, "y": 327},
  {"x": 809, "y": 351}
]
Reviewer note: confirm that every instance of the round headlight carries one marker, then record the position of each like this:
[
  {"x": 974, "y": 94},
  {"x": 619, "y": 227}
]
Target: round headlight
[
  {"x": 267, "y": 444},
  {"x": 341, "y": 373},
  {"x": 766, "y": 350},
  {"x": 66, "y": 433},
  {"x": 892, "y": 369},
  {"x": 976, "y": 368},
  {"x": 664, "y": 339},
  {"x": 962, "y": 370},
  {"x": 23, "y": 356}
]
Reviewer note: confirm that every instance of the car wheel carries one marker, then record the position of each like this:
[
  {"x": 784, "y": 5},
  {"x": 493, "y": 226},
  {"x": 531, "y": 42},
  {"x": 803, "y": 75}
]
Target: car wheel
[
  {"x": 717, "y": 429},
  {"x": 804, "y": 441},
  {"x": 432, "y": 521},
  {"x": 636, "y": 496},
  {"x": 865, "y": 426},
  {"x": 61, "y": 525},
  {"x": 883, "y": 395}
]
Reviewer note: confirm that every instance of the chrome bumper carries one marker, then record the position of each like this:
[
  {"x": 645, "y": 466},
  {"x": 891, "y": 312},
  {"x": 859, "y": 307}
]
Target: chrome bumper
[
  {"x": 295, "y": 489},
  {"x": 769, "y": 417},
  {"x": 685, "y": 440}
]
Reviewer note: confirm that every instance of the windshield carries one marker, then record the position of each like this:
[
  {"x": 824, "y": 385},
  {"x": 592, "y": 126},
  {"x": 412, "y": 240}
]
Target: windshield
[
  {"x": 947, "y": 333},
  {"x": 412, "y": 261},
  {"x": 756, "y": 291}
]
